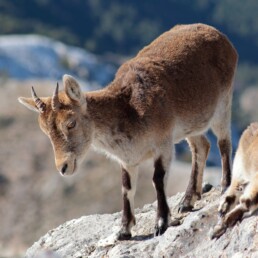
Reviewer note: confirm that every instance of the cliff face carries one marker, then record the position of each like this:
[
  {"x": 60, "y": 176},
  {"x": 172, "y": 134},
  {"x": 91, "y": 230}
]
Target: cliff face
[{"x": 89, "y": 236}]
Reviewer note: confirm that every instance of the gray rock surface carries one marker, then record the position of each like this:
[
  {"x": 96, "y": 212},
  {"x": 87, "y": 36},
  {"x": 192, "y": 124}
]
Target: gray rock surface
[{"x": 84, "y": 237}]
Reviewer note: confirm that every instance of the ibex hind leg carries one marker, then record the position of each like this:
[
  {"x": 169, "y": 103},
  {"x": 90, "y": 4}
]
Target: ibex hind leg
[
  {"x": 221, "y": 127},
  {"x": 200, "y": 147},
  {"x": 162, "y": 164}
]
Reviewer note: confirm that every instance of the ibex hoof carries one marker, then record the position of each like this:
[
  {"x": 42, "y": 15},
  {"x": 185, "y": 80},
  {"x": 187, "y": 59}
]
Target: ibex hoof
[
  {"x": 206, "y": 188},
  {"x": 124, "y": 236},
  {"x": 218, "y": 231},
  {"x": 184, "y": 208},
  {"x": 222, "y": 213},
  {"x": 160, "y": 230}
]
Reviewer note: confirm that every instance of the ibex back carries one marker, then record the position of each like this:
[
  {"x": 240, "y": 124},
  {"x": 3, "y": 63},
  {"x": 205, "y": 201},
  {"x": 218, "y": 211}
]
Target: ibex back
[{"x": 177, "y": 87}]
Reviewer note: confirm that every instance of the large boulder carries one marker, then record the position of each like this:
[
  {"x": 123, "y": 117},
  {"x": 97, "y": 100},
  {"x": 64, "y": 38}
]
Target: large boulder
[{"x": 91, "y": 236}]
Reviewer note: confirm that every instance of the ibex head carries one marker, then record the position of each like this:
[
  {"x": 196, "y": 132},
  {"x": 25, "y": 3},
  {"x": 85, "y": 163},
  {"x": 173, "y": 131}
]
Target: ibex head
[{"x": 64, "y": 119}]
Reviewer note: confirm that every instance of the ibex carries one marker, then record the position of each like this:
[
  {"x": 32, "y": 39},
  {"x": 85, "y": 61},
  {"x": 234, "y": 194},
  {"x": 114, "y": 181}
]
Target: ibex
[
  {"x": 242, "y": 195},
  {"x": 177, "y": 87}
]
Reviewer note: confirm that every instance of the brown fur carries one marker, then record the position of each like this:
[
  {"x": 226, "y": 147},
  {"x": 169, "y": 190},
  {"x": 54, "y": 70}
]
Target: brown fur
[
  {"x": 177, "y": 87},
  {"x": 172, "y": 76},
  {"x": 242, "y": 195}
]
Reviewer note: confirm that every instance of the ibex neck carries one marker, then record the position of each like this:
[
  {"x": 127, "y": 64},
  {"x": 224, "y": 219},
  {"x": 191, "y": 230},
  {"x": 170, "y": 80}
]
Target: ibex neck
[{"x": 106, "y": 106}]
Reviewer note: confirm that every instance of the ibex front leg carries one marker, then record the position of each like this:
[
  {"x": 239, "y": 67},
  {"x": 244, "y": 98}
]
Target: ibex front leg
[
  {"x": 129, "y": 181},
  {"x": 162, "y": 165}
]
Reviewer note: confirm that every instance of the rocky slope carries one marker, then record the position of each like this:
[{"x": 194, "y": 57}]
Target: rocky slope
[{"x": 90, "y": 236}]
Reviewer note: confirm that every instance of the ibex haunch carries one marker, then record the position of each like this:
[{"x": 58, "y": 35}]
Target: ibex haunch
[
  {"x": 242, "y": 195},
  {"x": 177, "y": 87}
]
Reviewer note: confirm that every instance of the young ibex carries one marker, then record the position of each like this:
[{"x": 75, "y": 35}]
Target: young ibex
[
  {"x": 177, "y": 87},
  {"x": 242, "y": 195}
]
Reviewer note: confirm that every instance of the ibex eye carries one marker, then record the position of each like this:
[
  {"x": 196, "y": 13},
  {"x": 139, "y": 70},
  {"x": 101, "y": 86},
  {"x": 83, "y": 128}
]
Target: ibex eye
[{"x": 71, "y": 125}]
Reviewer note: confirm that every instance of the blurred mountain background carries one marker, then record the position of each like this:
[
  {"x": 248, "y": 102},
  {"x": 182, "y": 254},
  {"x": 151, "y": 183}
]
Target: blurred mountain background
[{"x": 40, "y": 40}]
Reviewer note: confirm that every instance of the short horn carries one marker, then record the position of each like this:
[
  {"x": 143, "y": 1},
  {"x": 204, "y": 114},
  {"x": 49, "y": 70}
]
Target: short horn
[
  {"x": 41, "y": 106},
  {"x": 55, "y": 101}
]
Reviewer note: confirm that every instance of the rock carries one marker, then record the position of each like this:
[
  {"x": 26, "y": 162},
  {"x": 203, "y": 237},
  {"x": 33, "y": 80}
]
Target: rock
[
  {"x": 82, "y": 237},
  {"x": 47, "y": 254},
  {"x": 206, "y": 187}
]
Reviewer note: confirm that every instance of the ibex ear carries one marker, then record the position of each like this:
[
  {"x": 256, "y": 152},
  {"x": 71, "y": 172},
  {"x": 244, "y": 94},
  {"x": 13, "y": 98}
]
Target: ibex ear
[
  {"x": 73, "y": 90},
  {"x": 29, "y": 103}
]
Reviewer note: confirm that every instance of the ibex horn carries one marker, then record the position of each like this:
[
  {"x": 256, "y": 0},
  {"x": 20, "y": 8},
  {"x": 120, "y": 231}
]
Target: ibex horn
[
  {"x": 41, "y": 106},
  {"x": 55, "y": 101}
]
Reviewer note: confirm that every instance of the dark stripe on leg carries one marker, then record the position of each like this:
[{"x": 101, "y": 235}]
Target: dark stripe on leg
[
  {"x": 250, "y": 202},
  {"x": 254, "y": 201},
  {"x": 191, "y": 191},
  {"x": 127, "y": 217},
  {"x": 192, "y": 187},
  {"x": 237, "y": 213},
  {"x": 230, "y": 199},
  {"x": 158, "y": 179},
  {"x": 225, "y": 152},
  {"x": 234, "y": 216},
  {"x": 127, "y": 213},
  {"x": 126, "y": 182}
]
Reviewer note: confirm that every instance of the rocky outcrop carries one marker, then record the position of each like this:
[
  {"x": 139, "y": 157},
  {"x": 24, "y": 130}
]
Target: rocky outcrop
[{"x": 91, "y": 236}]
